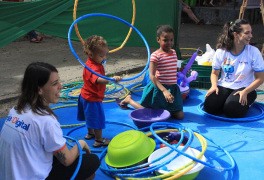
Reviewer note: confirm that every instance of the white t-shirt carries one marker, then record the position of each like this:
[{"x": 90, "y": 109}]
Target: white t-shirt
[
  {"x": 27, "y": 143},
  {"x": 237, "y": 71}
]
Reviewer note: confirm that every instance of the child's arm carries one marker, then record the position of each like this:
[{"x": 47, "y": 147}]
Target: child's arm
[
  {"x": 104, "y": 81},
  {"x": 152, "y": 70}
]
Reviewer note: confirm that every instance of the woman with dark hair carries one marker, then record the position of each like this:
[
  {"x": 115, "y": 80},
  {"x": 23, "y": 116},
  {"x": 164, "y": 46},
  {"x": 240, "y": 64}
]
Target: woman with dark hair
[
  {"x": 31, "y": 136},
  {"x": 241, "y": 67}
]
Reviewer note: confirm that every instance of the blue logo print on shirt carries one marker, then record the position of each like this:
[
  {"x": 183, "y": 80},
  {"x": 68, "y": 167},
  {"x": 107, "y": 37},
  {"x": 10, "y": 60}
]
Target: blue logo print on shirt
[
  {"x": 228, "y": 68},
  {"x": 18, "y": 123}
]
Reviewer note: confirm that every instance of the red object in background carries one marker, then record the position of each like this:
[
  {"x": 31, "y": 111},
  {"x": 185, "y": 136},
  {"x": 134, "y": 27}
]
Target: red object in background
[
  {"x": 14, "y": 0},
  {"x": 173, "y": 142},
  {"x": 162, "y": 145}
]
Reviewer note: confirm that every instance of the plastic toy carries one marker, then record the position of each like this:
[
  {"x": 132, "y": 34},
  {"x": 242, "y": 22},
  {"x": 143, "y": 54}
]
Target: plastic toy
[{"x": 183, "y": 80}]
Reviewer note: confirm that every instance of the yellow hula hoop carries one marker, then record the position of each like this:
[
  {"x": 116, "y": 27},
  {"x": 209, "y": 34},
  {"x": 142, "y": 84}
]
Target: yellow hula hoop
[
  {"x": 200, "y": 52},
  {"x": 126, "y": 39},
  {"x": 75, "y": 25},
  {"x": 75, "y": 92},
  {"x": 193, "y": 49},
  {"x": 64, "y": 106},
  {"x": 191, "y": 164},
  {"x": 182, "y": 170},
  {"x": 134, "y": 87}
]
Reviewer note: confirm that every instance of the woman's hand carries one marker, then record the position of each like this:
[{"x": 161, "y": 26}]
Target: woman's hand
[
  {"x": 214, "y": 78},
  {"x": 85, "y": 146},
  {"x": 212, "y": 90},
  {"x": 242, "y": 97},
  {"x": 259, "y": 79},
  {"x": 67, "y": 156},
  {"x": 168, "y": 96}
]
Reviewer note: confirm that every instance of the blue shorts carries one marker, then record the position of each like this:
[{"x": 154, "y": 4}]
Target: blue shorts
[{"x": 92, "y": 113}]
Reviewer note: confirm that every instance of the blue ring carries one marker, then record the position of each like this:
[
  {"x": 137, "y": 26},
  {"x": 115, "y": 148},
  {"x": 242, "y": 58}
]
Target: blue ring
[
  {"x": 245, "y": 119},
  {"x": 135, "y": 171},
  {"x": 167, "y": 124},
  {"x": 130, "y": 171},
  {"x": 94, "y": 150},
  {"x": 112, "y": 17},
  {"x": 80, "y": 156}
]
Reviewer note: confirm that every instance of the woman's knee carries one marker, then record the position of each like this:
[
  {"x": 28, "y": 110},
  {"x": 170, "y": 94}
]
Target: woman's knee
[
  {"x": 234, "y": 109},
  {"x": 90, "y": 163},
  {"x": 91, "y": 177},
  {"x": 211, "y": 106}
]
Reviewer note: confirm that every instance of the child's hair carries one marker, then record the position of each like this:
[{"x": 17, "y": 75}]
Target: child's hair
[
  {"x": 226, "y": 38},
  {"x": 94, "y": 43},
  {"x": 164, "y": 28}
]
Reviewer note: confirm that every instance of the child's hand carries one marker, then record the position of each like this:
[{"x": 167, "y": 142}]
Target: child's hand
[
  {"x": 117, "y": 78},
  {"x": 168, "y": 96}
]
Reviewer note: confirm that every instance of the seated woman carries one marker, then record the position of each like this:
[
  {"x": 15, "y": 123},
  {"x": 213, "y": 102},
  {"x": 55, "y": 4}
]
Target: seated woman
[
  {"x": 31, "y": 140},
  {"x": 241, "y": 67}
]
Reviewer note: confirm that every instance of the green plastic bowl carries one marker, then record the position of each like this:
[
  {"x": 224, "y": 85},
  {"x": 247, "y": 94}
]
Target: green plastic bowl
[{"x": 129, "y": 148}]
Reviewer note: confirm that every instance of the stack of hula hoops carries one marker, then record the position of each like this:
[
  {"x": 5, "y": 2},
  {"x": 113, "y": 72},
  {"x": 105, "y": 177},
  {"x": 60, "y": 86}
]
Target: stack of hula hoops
[{"x": 160, "y": 166}]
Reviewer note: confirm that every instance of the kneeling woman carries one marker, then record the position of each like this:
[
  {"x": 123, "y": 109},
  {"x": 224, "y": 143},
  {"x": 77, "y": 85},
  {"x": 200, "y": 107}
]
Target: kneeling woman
[{"x": 242, "y": 71}]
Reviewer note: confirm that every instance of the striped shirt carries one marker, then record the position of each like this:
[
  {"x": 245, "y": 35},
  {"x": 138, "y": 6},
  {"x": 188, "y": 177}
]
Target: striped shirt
[{"x": 166, "y": 71}]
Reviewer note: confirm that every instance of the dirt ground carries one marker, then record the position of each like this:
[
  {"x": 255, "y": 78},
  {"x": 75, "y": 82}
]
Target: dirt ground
[{"x": 17, "y": 55}]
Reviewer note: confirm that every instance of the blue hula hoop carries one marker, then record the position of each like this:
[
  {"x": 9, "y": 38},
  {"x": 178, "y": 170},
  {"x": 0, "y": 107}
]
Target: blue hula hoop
[
  {"x": 144, "y": 168},
  {"x": 80, "y": 156},
  {"x": 244, "y": 119},
  {"x": 112, "y": 17},
  {"x": 115, "y": 89},
  {"x": 139, "y": 170},
  {"x": 167, "y": 124},
  {"x": 95, "y": 150}
]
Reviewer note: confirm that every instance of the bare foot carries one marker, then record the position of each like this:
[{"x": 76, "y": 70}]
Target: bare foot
[{"x": 126, "y": 100}]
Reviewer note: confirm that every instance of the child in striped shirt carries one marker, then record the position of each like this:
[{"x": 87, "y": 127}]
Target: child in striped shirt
[{"x": 162, "y": 92}]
